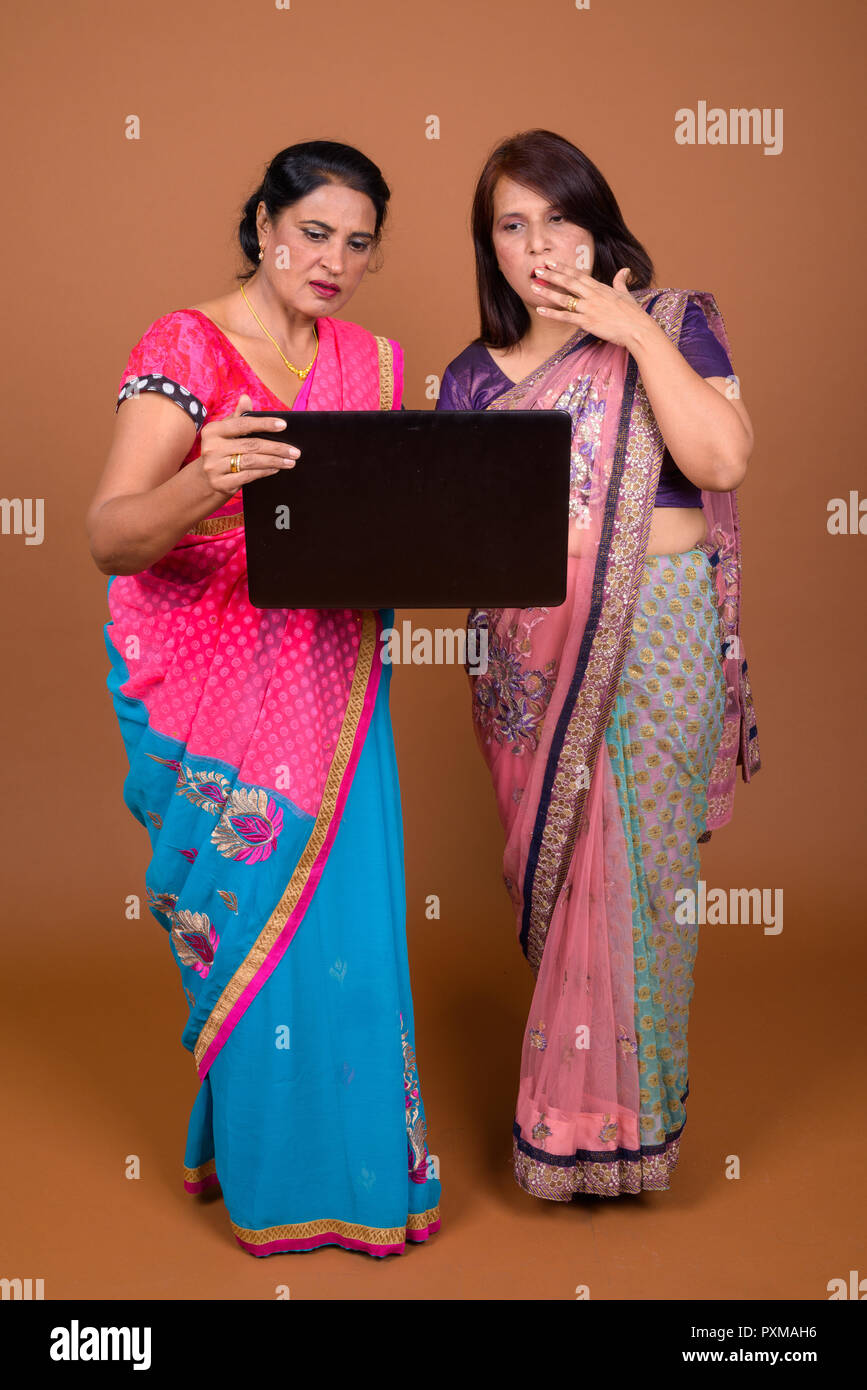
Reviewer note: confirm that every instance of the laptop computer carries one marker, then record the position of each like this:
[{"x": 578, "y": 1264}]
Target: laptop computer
[{"x": 412, "y": 509}]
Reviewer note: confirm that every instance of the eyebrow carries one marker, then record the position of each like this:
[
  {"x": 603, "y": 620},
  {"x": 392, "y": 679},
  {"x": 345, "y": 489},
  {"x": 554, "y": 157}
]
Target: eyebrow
[
  {"x": 314, "y": 221},
  {"x": 553, "y": 206}
]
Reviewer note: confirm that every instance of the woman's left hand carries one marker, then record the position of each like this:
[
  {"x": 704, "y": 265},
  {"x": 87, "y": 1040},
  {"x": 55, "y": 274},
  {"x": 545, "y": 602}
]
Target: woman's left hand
[{"x": 606, "y": 311}]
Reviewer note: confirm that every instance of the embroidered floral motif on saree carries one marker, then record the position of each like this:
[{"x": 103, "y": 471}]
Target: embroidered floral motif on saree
[{"x": 626, "y": 760}]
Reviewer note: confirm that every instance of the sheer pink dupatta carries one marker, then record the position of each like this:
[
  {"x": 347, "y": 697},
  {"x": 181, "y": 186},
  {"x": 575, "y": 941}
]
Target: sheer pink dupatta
[
  {"x": 577, "y": 1088},
  {"x": 540, "y": 712}
]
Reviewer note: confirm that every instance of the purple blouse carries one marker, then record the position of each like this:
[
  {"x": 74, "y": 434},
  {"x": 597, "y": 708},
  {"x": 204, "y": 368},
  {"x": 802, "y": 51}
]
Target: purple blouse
[{"x": 473, "y": 379}]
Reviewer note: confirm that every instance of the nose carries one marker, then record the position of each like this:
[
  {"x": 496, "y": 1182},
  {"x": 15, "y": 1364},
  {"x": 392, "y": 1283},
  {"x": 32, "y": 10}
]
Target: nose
[
  {"x": 332, "y": 262},
  {"x": 538, "y": 239}
]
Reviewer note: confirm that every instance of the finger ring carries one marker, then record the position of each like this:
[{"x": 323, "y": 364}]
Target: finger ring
[
  {"x": 235, "y": 463},
  {"x": 572, "y": 305}
]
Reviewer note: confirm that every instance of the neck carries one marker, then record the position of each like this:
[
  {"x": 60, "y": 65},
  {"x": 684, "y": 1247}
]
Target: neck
[
  {"x": 292, "y": 328},
  {"x": 546, "y": 335}
]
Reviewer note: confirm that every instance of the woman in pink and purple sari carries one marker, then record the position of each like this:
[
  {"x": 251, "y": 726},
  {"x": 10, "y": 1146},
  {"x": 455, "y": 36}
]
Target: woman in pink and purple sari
[
  {"x": 261, "y": 759},
  {"x": 613, "y": 724}
]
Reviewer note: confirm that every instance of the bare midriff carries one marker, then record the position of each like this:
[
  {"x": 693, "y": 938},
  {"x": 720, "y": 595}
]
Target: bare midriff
[
  {"x": 673, "y": 531},
  {"x": 676, "y": 529}
]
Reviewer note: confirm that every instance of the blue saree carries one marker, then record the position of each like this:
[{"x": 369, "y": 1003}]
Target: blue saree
[{"x": 262, "y": 764}]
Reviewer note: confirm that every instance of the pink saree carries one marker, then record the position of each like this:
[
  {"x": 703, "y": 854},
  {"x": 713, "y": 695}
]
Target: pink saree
[
  {"x": 261, "y": 763},
  {"x": 612, "y": 727}
]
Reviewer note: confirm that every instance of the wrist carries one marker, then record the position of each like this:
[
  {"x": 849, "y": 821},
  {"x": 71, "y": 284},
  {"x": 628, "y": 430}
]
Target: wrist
[
  {"x": 644, "y": 335},
  {"x": 202, "y": 494}
]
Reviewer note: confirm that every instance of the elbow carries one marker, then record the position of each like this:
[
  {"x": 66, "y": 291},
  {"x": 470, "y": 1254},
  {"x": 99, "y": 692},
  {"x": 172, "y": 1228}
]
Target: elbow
[
  {"x": 106, "y": 567},
  {"x": 729, "y": 468},
  {"x": 721, "y": 471},
  {"x": 110, "y": 563},
  {"x": 739, "y": 455},
  {"x": 729, "y": 474},
  {"x": 721, "y": 454},
  {"x": 103, "y": 561},
  {"x": 103, "y": 545},
  {"x": 98, "y": 552},
  {"x": 106, "y": 561},
  {"x": 99, "y": 557}
]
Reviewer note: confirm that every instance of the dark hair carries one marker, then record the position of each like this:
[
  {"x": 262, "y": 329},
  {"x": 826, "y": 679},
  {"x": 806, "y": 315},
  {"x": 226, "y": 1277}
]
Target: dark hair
[
  {"x": 560, "y": 172},
  {"x": 297, "y": 171}
]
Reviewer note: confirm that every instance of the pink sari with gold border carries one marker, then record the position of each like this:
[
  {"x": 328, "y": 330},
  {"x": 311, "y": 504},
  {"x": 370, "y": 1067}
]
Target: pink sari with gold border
[
  {"x": 261, "y": 763},
  {"x": 541, "y": 715}
]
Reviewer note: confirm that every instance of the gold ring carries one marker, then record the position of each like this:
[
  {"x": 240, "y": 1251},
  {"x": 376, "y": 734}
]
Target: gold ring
[
  {"x": 235, "y": 463},
  {"x": 572, "y": 305}
]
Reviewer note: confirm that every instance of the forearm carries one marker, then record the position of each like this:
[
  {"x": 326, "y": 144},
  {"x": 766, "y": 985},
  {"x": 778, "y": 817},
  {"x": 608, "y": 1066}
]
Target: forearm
[
  {"x": 130, "y": 533},
  {"x": 702, "y": 430}
]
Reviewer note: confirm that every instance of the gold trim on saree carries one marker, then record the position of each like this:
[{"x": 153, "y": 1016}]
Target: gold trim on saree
[
  {"x": 269, "y": 934},
  {"x": 216, "y": 525},
  {"x": 386, "y": 373},
  {"x": 560, "y": 1183},
  {"x": 639, "y": 438},
  {"x": 203, "y": 1171},
  {"x": 371, "y": 1235}
]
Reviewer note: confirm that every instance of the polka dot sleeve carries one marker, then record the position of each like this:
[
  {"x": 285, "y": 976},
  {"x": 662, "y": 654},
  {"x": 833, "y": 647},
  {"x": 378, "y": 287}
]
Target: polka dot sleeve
[{"x": 176, "y": 358}]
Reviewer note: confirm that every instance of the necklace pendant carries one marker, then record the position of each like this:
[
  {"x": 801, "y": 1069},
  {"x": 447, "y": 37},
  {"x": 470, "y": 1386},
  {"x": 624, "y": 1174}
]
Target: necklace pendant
[{"x": 300, "y": 372}]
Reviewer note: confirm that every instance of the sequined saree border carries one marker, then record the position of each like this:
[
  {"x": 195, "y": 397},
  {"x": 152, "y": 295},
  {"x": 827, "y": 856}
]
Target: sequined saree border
[
  {"x": 625, "y": 531},
  {"x": 598, "y": 1173},
  {"x": 647, "y": 1173},
  {"x": 270, "y": 934},
  {"x": 573, "y": 742}
]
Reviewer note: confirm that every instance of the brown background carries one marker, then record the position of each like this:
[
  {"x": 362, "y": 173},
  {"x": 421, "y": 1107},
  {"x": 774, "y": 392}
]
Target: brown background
[{"x": 102, "y": 236}]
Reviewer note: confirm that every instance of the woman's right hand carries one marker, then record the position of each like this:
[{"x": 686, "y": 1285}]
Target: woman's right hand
[{"x": 259, "y": 457}]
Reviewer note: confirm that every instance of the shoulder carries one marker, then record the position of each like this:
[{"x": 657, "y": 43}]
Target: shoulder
[
  {"x": 472, "y": 354},
  {"x": 177, "y": 355},
  {"x": 375, "y": 361},
  {"x": 354, "y": 339},
  {"x": 183, "y": 336},
  {"x": 470, "y": 379},
  {"x": 685, "y": 315},
  {"x": 693, "y": 315},
  {"x": 675, "y": 303},
  {"x": 463, "y": 370},
  {"x": 181, "y": 322},
  {"x": 703, "y": 339},
  {"x": 344, "y": 330},
  {"x": 695, "y": 326}
]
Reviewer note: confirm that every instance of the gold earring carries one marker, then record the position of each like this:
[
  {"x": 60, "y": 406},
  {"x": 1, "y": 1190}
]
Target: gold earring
[{"x": 261, "y": 254}]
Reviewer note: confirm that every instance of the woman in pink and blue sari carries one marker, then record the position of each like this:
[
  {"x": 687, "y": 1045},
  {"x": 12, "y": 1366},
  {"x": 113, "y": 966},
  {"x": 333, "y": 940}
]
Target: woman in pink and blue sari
[
  {"x": 614, "y": 723},
  {"x": 261, "y": 759}
]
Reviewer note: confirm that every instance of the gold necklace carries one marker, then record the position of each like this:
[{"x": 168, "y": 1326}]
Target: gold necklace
[{"x": 300, "y": 372}]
